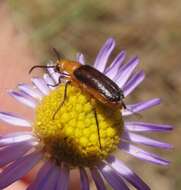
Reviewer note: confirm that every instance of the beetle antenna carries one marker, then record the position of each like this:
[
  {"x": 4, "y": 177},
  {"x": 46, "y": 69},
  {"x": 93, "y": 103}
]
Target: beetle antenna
[
  {"x": 58, "y": 55},
  {"x": 40, "y": 66}
]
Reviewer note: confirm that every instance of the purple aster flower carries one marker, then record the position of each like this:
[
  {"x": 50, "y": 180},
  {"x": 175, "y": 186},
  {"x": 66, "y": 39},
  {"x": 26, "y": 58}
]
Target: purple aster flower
[{"x": 70, "y": 140}]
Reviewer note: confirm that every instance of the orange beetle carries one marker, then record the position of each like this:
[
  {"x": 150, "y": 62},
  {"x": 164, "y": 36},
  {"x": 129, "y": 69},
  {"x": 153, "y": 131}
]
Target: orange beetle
[{"x": 90, "y": 80}]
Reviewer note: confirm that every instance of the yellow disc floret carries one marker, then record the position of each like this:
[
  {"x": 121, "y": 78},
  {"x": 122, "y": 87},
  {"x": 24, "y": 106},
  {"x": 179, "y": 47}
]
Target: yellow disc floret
[{"x": 72, "y": 135}]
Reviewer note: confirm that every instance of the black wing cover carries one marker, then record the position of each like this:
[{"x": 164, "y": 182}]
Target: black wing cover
[{"x": 96, "y": 80}]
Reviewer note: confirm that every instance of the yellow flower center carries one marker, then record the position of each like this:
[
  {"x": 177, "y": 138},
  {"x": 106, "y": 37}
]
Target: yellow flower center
[{"x": 72, "y": 135}]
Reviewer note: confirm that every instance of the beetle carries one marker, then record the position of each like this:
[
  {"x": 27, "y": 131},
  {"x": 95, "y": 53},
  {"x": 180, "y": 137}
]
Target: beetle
[{"x": 90, "y": 80}]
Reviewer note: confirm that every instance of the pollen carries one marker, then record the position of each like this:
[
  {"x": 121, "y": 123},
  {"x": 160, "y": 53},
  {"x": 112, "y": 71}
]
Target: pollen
[{"x": 73, "y": 135}]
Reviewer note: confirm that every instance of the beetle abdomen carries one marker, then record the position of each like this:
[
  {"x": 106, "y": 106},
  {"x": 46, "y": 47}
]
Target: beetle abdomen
[{"x": 94, "y": 79}]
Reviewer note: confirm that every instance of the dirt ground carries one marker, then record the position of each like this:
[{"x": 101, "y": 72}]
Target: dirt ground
[{"x": 149, "y": 29}]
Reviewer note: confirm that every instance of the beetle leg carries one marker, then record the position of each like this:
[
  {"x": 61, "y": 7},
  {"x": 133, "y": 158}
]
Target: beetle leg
[
  {"x": 122, "y": 94},
  {"x": 64, "y": 98},
  {"x": 123, "y": 104},
  {"x": 59, "y": 80},
  {"x": 54, "y": 85},
  {"x": 122, "y": 97},
  {"x": 97, "y": 124},
  {"x": 126, "y": 108}
]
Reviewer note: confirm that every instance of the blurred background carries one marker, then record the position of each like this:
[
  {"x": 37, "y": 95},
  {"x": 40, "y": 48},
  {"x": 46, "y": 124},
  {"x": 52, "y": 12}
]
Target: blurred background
[{"x": 148, "y": 29}]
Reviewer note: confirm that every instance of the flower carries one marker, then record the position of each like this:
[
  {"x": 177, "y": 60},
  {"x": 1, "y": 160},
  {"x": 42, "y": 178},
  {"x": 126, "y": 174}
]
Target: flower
[{"x": 71, "y": 139}]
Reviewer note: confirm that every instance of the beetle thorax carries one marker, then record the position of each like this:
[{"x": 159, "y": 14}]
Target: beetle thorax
[{"x": 68, "y": 66}]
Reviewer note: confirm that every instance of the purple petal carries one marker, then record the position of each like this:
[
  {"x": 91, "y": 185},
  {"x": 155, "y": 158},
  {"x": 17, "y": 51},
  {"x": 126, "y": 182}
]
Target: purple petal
[
  {"x": 145, "y": 140},
  {"x": 112, "y": 70},
  {"x": 112, "y": 178},
  {"x": 46, "y": 178},
  {"x": 141, "y": 154},
  {"x": 16, "y": 138},
  {"x": 13, "y": 152},
  {"x": 41, "y": 85},
  {"x": 141, "y": 106},
  {"x": 18, "y": 169},
  {"x": 33, "y": 92},
  {"x": 14, "y": 120},
  {"x": 41, "y": 177},
  {"x": 49, "y": 81},
  {"x": 52, "y": 73},
  {"x": 129, "y": 175},
  {"x": 126, "y": 71},
  {"x": 97, "y": 179},
  {"x": 147, "y": 127},
  {"x": 23, "y": 98},
  {"x": 84, "y": 179},
  {"x": 51, "y": 182},
  {"x": 135, "y": 80},
  {"x": 103, "y": 55},
  {"x": 80, "y": 58},
  {"x": 63, "y": 181}
]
